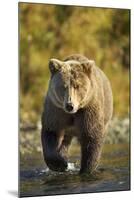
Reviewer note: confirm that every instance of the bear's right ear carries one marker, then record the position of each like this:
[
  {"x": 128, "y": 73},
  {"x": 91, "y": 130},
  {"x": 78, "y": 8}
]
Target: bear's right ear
[
  {"x": 88, "y": 66},
  {"x": 54, "y": 65}
]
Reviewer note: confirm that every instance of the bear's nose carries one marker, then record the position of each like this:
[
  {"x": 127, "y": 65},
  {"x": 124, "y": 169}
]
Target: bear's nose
[{"x": 69, "y": 107}]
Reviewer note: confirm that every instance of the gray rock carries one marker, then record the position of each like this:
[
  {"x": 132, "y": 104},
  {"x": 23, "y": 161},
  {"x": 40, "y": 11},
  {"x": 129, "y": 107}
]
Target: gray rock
[{"x": 118, "y": 131}]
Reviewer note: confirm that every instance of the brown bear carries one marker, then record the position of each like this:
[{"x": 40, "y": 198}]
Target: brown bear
[{"x": 79, "y": 99}]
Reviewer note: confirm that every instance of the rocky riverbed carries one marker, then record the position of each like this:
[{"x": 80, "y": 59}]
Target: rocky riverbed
[
  {"x": 113, "y": 173},
  {"x": 118, "y": 131}
]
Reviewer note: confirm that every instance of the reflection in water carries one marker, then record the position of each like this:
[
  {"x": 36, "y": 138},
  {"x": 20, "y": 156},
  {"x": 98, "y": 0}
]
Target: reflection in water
[{"x": 112, "y": 174}]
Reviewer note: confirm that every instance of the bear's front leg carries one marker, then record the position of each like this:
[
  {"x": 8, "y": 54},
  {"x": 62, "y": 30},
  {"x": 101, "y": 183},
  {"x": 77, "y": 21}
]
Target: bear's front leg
[
  {"x": 91, "y": 129},
  {"x": 51, "y": 142},
  {"x": 90, "y": 153}
]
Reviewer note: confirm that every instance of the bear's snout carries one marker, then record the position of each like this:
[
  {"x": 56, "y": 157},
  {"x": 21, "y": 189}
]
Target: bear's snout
[{"x": 69, "y": 107}]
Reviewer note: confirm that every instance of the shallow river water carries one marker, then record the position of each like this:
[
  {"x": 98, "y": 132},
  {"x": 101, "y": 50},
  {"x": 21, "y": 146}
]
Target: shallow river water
[{"x": 113, "y": 173}]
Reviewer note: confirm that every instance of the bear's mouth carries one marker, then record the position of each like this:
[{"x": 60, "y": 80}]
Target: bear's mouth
[{"x": 71, "y": 111}]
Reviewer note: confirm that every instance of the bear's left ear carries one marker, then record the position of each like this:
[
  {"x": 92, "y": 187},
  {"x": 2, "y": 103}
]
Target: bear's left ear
[
  {"x": 88, "y": 66},
  {"x": 54, "y": 65}
]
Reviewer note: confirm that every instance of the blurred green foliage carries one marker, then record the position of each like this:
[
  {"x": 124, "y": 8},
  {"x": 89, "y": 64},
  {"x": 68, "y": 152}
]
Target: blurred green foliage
[{"x": 48, "y": 31}]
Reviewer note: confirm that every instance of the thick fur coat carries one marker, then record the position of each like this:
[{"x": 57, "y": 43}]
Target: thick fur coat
[{"x": 79, "y": 99}]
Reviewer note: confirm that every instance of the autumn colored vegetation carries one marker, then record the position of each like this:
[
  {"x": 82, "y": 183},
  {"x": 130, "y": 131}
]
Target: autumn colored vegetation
[{"x": 47, "y": 31}]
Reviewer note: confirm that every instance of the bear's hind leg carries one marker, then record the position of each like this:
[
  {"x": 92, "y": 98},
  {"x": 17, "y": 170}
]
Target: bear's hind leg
[{"x": 51, "y": 142}]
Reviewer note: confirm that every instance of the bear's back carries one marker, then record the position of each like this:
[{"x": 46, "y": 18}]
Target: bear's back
[{"x": 77, "y": 57}]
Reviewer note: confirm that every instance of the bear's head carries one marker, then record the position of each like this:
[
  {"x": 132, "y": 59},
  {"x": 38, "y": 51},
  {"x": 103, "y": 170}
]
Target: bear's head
[{"x": 70, "y": 86}]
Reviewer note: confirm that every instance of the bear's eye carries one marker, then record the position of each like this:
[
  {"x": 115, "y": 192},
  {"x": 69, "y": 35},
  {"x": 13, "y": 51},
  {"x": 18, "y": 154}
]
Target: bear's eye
[{"x": 76, "y": 86}]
